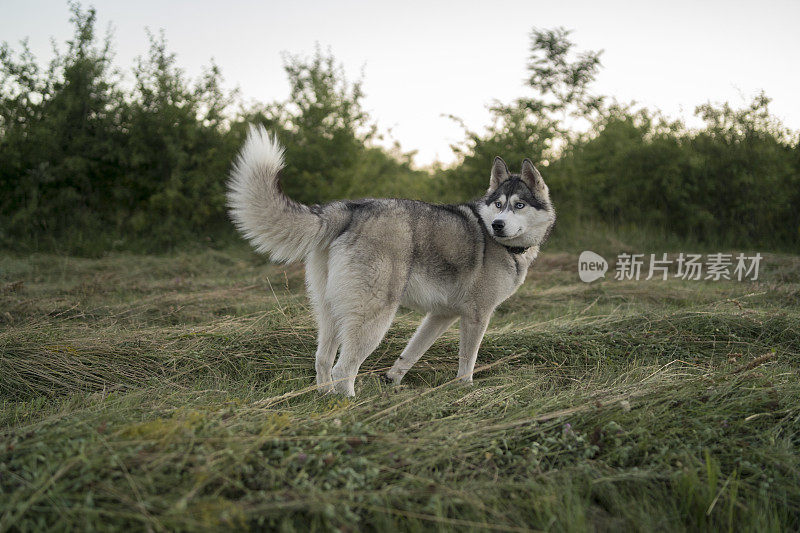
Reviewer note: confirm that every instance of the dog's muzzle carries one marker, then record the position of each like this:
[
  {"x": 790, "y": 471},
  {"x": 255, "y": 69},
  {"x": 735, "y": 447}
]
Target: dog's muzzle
[{"x": 498, "y": 226}]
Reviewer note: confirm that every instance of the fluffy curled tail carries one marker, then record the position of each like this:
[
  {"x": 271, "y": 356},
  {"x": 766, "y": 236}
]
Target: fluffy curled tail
[{"x": 270, "y": 220}]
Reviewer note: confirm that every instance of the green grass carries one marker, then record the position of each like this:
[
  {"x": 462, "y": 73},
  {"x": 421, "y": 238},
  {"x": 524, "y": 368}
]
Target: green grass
[{"x": 175, "y": 393}]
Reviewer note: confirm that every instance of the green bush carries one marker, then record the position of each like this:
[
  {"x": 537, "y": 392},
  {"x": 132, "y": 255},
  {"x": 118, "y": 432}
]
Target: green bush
[{"x": 733, "y": 183}]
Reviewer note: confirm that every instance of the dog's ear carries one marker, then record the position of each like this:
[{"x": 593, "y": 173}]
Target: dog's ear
[
  {"x": 533, "y": 179},
  {"x": 499, "y": 173}
]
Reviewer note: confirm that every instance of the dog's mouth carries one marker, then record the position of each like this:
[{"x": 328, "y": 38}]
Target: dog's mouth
[{"x": 501, "y": 234}]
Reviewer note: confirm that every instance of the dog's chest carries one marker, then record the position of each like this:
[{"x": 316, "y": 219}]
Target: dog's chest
[
  {"x": 519, "y": 269},
  {"x": 514, "y": 278}
]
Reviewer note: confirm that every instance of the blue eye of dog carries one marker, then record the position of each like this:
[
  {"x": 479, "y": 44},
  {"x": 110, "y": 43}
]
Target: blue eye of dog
[
  {"x": 498, "y": 205},
  {"x": 519, "y": 205}
]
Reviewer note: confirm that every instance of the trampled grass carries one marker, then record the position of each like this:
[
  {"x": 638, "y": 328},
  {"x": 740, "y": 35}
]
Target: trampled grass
[{"x": 175, "y": 393}]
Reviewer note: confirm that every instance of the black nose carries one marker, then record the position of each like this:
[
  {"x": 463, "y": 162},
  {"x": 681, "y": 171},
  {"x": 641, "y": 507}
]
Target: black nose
[{"x": 498, "y": 225}]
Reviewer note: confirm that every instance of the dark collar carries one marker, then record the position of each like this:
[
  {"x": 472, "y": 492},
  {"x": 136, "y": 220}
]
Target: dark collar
[{"x": 516, "y": 250}]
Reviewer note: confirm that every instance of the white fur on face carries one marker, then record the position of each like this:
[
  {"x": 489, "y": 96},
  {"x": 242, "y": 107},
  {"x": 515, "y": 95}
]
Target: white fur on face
[{"x": 523, "y": 224}]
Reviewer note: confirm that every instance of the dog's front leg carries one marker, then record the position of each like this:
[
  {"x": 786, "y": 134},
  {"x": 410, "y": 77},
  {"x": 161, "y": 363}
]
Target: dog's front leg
[
  {"x": 472, "y": 330},
  {"x": 431, "y": 328}
]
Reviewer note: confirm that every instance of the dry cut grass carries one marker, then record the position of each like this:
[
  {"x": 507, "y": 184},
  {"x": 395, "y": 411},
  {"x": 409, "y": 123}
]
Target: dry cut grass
[{"x": 175, "y": 393}]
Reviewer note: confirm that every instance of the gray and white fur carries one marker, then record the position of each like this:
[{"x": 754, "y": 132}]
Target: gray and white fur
[{"x": 366, "y": 258}]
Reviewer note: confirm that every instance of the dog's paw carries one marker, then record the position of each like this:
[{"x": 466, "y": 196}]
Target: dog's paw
[
  {"x": 325, "y": 388},
  {"x": 392, "y": 383},
  {"x": 465, "y": 381},
  {"x": 344, "y": 389},
  {"x": 392, "y": 377},
  {"x": 324, "y": 383}
]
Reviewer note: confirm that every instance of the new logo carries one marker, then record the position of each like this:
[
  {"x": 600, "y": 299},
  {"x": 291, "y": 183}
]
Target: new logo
[{"x": 591, "y": 266}]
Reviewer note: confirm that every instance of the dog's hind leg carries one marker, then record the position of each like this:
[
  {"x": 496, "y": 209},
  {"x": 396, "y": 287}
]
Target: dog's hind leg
[
  {"x": 327, "y": 346},
  {"x": 327, "y": 341},
  {"x": 364, "y": 290},
  {"x": 429, "y": 330},
  {"x": 359, "y": 339}
]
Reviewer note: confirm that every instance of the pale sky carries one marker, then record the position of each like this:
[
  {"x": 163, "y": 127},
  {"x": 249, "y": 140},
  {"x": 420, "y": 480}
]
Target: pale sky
[{"x": 423, "y": 59}]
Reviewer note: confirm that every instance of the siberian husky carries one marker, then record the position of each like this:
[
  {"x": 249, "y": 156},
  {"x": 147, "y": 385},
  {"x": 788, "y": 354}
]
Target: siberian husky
[{"x": 365, "y": 258}]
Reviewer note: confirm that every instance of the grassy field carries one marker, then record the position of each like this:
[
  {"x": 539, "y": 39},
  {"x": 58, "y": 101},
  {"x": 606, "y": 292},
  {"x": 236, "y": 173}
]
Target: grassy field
[{"x": 175, "y": 393}]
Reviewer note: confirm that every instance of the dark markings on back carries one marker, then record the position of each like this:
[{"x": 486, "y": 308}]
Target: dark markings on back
[
  {"x": 359, "y": 209},
  {"x": 444, "y": 267},
  {"x": 467, "y": 221},
  {"x": 515, "y": 185},
  {"x": 452, "y": 209},
  {"x": 355, "y": 205}
]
